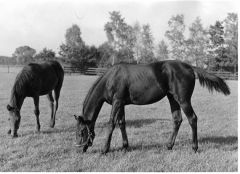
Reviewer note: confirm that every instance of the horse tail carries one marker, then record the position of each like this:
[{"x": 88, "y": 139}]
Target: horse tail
[
  {"x": 211, "y": 81},
  {"x": 59, "y": 71},
  {"x": 57, "y": 68}
]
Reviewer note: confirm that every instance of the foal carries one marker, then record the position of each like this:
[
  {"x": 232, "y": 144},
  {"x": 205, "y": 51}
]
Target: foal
[{"x": 33, "y": 81}]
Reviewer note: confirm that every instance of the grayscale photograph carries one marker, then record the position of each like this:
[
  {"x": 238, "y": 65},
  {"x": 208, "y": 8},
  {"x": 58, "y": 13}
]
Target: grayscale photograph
[{"x": 119, "y": 86}]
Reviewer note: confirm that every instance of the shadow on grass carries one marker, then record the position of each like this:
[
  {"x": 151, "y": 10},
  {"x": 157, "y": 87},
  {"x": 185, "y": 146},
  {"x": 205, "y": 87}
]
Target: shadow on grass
[
  {"x": 131, "y": 148},
  {"x": 48, "y": 131},
  {"x": 136, "y": 123},
  {"x": 148, "y": 147},
  {"x": 56, "y": 130},
  {"x": 219, "y": 140}
]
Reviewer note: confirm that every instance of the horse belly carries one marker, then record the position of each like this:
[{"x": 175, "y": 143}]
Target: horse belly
[
  {"x": 146, "y": 95},
  {"x": 48, "y": 84}
]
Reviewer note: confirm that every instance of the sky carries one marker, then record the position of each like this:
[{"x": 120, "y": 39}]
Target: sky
[{"x": 43, "y": 23}]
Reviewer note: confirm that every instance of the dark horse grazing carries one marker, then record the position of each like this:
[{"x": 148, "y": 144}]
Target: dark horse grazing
[
  {"x": 33, "y": 81},
  {"x": 125, "y": 84}
]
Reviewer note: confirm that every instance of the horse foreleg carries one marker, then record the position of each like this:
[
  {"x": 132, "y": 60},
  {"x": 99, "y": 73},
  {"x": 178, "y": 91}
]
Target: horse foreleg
[
  {"x": 111, "y": 125},
  {"x": 177, "y": 120},
  {"x": 122, "y": 125},
  {"x": 37, "y": 112},
  {"x": 15, "y": 126}
]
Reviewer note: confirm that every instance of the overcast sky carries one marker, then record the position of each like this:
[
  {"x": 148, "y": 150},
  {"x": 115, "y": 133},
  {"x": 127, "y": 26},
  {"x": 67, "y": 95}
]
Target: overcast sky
[{"x": 43, "y": 23}]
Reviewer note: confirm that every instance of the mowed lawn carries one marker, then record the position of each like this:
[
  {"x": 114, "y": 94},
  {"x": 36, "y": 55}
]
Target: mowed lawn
[{"x": 148, "y": 128}]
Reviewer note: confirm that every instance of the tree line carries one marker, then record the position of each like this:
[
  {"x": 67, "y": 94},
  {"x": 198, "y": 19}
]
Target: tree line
[{"x": 212, "y": 48}]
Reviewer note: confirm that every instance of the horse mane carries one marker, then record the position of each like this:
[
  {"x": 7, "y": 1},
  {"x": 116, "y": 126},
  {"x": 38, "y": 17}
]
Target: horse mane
[
  {"x": 91, "y": 90},
  {"x": 19, "y": 88}
]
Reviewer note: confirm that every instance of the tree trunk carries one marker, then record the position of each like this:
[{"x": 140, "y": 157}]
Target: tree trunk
[{"x": 113, "y": 58}]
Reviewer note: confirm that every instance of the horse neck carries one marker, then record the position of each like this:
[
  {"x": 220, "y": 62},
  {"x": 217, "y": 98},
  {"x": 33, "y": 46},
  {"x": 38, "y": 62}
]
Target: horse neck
[
  {"x": 16, "y": 100},
  {"x": 93, "y": 104}
]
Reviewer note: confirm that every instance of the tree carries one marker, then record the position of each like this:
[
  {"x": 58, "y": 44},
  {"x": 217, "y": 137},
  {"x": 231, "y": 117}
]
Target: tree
[
  {"x": 137, "y": 46},
  {"x": 128, "y": 47},
  {"x": 75, "y": 50},
  {"x": 105, "y": 51},
  {"x": 92, "y": 57},
  {"x": 176, "y": 37},
  {"x": 45, "y": 55},
  {"x": 81, "y": 58},
  {"x": 217, "y": 51},
  {"x": 24, "y": 54},
  {"x": 162, "y": 51},
  {"x": 73, "y": 37},
  {"x": 231, "y": 39},
  {"x": 73, "y": 44},
  {"x": 120, "y": 37},
  {"x": 147, "y": 54},
  {"x": 197, "y": 44}
]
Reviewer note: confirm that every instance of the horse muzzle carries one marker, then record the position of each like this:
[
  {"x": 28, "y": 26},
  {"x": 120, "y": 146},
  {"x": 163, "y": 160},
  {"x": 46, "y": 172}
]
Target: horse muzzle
[{"x": 88, "y": 142}]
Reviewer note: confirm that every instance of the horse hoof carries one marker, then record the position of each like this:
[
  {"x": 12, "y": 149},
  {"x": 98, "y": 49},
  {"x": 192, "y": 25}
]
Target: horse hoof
[
  {"x": 15, "y": 136},
  {"x": 9, "y": 132},
  {"x": 52, "y": 125},
  {"x": 85, "y": 149},
  {"x": 195, "y": 149},
  {"x": 125, "y": 148},
  {"x": 169, "y": 147},
  {"x": 82, "y": 150},
  {"x": 104, "y": 152},
  {"x": 79, "y": 150}
]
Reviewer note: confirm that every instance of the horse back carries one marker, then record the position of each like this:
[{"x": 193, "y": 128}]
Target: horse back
[
  {"x": 40, "y": 78},
  {"x": 146, "y": 84},
  {"x": 135, "y": 84}
]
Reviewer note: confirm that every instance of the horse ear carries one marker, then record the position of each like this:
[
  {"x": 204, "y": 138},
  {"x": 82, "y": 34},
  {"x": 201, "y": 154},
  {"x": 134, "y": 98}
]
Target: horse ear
[
  {"x": 76, "y": 116},
  {"x": 9, "y": 108},
  {"x": 79, "y": 118}
]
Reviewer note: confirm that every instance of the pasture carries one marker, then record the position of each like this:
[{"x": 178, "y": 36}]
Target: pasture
[{"x": 148, "y": 129}]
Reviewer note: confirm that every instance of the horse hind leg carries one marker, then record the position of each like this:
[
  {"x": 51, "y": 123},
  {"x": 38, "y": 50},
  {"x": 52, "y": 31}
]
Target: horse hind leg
[
  {"x": 192, "y": 119},
  {"x": 56, "y": 97},
  {"x": 51, "y": 104},
  {"x": 177, "y": 120},
  {"x": 37, "y": 112},
  {"x": 122, "y": 126}
]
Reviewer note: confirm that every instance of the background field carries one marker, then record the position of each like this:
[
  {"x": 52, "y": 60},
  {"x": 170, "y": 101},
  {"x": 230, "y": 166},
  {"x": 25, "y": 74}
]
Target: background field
[{"x": 148, "y": 129}]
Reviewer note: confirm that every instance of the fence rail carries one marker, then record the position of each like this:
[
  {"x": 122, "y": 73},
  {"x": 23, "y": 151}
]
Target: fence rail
[
  {"x": 100, "y": 71},
  {"x": 225, "y": 75},
  {"x": 88, "y": 71}
]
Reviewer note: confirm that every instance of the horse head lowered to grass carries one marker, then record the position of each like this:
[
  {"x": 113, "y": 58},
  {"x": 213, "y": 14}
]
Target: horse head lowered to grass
[
  {"x": 33, "y": 81},
  {"x": 125, "y": 84}
]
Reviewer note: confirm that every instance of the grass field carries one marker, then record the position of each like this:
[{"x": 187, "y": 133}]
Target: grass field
[{"x": 148, "y": 129}]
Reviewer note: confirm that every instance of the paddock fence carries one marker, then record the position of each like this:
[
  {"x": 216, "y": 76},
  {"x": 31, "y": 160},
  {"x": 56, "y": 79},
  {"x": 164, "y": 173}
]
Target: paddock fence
[
  {"x": 99, "y": 71},
  {"x": 225, "y": 75},
  {"x": 87, "y": 71}
]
